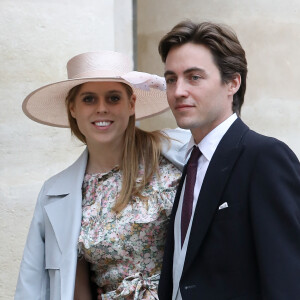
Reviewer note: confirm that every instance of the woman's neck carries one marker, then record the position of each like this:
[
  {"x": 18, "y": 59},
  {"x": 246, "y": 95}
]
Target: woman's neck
[{"x": 103, "y": 158}]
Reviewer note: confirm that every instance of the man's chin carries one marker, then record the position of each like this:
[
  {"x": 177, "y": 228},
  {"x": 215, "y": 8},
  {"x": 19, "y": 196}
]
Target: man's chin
[{"x": 184, "y": 125}]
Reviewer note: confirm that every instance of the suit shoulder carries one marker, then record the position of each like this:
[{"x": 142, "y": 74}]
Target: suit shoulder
[
  {"x": 259, "y": 140},
  {"x": 265, "y": 144}
]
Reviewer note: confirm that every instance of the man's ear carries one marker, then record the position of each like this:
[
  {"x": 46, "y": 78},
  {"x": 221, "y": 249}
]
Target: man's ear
[{"x": 234, "y": 84}]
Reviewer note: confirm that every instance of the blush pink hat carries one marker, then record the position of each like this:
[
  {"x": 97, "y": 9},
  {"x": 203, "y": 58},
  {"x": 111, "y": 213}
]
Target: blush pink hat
[{"x": 46, "y": 105}]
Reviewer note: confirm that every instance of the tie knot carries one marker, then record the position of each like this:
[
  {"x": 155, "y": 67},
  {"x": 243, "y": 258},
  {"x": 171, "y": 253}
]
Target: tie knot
[{"x": 194, "y": 156}]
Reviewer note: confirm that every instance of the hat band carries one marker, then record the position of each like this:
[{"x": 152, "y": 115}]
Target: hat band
[{"x": 96, "y": 74}]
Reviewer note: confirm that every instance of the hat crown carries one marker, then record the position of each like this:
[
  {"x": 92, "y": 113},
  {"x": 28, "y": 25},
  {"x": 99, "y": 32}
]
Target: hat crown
[{"x": 99, "y": 64}]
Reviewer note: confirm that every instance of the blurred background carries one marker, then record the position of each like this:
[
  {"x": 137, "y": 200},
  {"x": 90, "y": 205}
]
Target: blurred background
[{"x": 38, "y": 37}]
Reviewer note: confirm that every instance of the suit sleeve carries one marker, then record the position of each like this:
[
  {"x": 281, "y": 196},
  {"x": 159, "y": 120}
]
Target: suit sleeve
[
  {"x": 33, "y": 278},
  {"x": 275, "y": 216}
]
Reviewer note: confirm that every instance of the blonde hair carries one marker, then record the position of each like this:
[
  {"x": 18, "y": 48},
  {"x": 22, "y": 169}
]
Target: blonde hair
[{"x": 140, "y": 148}]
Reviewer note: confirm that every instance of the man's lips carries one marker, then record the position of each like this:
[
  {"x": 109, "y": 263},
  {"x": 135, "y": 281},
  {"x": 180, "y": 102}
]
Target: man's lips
[{"x": 183, "y": 106}]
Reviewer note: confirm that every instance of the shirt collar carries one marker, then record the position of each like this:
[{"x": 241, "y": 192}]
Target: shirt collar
[{"x": 209, "y": 143}]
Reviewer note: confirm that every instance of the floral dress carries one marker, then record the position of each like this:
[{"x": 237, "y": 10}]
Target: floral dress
[{"x": 126, "y": 249}]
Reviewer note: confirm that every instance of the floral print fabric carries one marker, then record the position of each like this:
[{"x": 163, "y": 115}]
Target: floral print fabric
[{"x": 126, "y": 249}]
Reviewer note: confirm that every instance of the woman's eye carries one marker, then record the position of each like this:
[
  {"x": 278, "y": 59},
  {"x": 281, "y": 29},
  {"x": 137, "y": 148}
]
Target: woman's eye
[
  {"x": 114, "y": 98},
  {"x": 89, "y": 99}
]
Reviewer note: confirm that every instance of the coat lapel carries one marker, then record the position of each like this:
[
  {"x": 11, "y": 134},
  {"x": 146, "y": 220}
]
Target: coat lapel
[
  {"x": 64, "y": 203},
  {"x": 215, "y": 180},
  {"x": 64, "y": 210}
]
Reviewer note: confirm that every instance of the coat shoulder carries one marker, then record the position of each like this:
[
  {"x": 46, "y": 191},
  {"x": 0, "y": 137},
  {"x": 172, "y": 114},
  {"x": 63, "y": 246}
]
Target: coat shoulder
[{"x": 63, "y": 182}]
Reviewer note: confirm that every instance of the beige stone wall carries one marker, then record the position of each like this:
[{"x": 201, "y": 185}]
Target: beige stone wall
[
  {"x": 37, "y": 37},
  {"x": 269, "y": 31}
]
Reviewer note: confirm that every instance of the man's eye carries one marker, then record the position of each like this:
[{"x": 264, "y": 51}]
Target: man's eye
[
  {"x": 89, "y": 99},
  {"x": 170, "y": 80},
  {"x": 195, "y": 77}
]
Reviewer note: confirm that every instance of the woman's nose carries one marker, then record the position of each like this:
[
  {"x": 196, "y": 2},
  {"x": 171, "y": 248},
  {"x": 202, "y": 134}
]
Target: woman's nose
[{"x": 102, "y": 107}]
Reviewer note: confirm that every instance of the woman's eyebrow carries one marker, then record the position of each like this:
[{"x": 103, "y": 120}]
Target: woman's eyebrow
[
  {"x": 93, "y": 93},
  {"x": 86, "y": 93},
  {"x": 115, "y": 91}
]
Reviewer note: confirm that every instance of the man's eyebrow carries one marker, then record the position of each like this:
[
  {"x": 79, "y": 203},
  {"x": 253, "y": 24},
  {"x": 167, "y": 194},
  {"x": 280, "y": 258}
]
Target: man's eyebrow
[
  {"x": 193, "y": 69},
  {"x": 189, "y": 70},
  {"x": 169, "y": 73}
]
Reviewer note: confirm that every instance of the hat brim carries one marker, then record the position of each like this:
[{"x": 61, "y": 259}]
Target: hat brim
[{"x": 46, "y": 105}]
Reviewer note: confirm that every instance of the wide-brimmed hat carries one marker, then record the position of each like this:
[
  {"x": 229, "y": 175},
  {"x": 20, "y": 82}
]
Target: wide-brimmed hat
[{"x": 46, "y": 105}]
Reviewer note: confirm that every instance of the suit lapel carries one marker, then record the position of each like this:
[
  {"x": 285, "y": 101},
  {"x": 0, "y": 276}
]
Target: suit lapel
[{"x": 215, "y": 180}]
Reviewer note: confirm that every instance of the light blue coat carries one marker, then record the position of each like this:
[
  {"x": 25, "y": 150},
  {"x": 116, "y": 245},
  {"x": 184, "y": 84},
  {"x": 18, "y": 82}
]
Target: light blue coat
[{"x": 48, "y": 267}]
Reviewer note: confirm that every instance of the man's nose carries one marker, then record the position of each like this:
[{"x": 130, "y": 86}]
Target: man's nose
[{"x": 181, "y": 89}]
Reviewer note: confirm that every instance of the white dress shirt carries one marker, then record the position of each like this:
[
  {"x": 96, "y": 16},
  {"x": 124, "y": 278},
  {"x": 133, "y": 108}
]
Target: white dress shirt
[{"x": 207, "y": 147}]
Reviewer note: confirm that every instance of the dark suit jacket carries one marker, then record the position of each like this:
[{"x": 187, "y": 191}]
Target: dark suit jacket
[{"x": 250, "y": 250}]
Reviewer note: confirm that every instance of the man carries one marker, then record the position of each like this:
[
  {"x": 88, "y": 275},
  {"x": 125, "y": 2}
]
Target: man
[{"x": 235, "y": 231}]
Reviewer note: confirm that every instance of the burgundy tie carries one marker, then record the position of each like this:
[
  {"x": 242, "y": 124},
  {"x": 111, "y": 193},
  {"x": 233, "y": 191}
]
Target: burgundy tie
[{"x": 187, "y": 206}]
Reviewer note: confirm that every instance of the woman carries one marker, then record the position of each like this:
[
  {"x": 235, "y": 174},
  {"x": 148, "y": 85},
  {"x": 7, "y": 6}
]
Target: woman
[{"x": 110, "y": 208}]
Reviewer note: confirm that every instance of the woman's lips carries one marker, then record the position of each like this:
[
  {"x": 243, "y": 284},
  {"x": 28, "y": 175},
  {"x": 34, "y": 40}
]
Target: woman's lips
[{"x": 102, "y": 124}]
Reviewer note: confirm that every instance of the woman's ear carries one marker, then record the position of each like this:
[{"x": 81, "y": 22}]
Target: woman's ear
[
  {"x": 234, "y": 84},
  {"x": 72, "y": 110},
  {"x": 132, "y": 104}
]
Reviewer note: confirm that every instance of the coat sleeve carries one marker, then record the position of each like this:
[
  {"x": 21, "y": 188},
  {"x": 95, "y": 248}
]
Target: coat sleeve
[
  {"x": 275, "y": 216},
  {"x": 174, "y": 151},
  {"x": 33, "y": 279}
]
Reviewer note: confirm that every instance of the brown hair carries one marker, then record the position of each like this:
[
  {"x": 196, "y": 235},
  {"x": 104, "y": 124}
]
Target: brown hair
[
  {"x": 227, "y": 52},
  {"x": 140, "y": 148}
]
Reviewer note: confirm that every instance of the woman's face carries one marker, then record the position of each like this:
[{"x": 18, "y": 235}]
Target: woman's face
[{"x": 102, "y": 111}]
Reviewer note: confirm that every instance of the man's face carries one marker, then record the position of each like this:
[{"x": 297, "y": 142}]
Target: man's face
[{"x": 198, "y": 98}]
